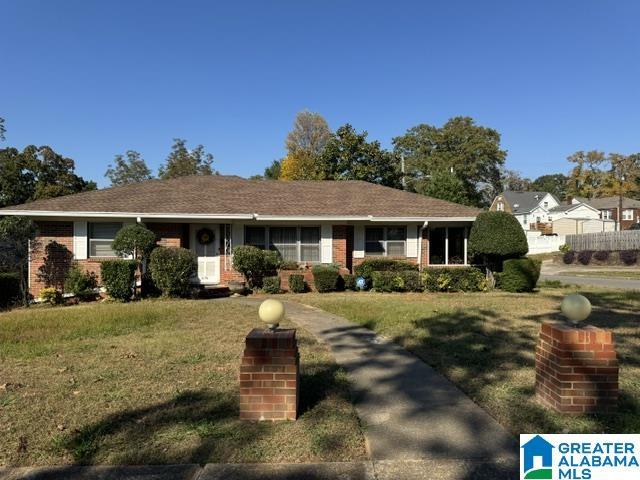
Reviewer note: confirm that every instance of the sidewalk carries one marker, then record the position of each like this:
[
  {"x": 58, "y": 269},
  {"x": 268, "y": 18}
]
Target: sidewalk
[{"x": 409, "y": 411}]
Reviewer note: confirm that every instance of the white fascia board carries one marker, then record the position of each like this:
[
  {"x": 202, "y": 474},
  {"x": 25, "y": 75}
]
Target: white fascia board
[
  {"x": 46, "y": 213},
  {"x": 450, "y": 219},
  {"x": 312, "y": 218}
]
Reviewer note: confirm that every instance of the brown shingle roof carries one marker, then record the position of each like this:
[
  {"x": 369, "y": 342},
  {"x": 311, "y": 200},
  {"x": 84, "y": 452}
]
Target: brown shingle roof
[{"x": 229, "y": 195}]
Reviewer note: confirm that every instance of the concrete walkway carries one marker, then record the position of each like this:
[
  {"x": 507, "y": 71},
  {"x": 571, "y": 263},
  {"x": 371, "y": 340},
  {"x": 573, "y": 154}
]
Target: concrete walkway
[{"x": 417, "y": 423}]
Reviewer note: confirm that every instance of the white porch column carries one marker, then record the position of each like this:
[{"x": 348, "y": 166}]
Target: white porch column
[
  {"x": 446, "y": 246},
  {"x": 466, "y": 236}
]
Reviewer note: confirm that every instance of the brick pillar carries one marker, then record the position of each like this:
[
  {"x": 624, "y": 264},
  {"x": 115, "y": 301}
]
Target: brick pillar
[
  {"x": 576, "y": 369},
  {"x": 270, "y": 376}
]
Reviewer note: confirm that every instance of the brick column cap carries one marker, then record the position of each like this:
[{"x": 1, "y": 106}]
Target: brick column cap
[
  {"x": 569, "y": 334},
  {"x": 261, "y": 338}
]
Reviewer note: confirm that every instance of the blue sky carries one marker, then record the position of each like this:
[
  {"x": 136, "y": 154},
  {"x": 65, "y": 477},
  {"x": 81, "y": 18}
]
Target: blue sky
[{"x": 93, "y": 79}]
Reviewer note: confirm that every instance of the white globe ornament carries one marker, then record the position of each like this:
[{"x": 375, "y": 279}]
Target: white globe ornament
[
  {"x": 271, "y": 312},
  {"x": 576, "y": 307}
]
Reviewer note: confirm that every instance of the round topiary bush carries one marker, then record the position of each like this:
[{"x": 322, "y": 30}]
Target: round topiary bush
[
  {"x": 584, "y": 257},
  {"x": 255, "y": 264},
  {"x": 629, "y": 257},
  {"x": 602, "y": 255},
  {"x": 495, "y": 237},
  {"x": 520, "y": 275},
  {"x": 569, "y": 257},
  {"x": 172, "y": 269},
  {"x": 297, "y": 283}
]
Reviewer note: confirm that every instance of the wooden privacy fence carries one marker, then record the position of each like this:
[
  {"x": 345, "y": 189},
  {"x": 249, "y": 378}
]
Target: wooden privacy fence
[{"x": 625, "y": 240}]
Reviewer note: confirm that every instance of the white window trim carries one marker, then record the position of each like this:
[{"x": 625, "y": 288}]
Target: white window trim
[
  {"x": 298, "y": 243},
  {"x": 384, "y": 241},
  {"x": 446, "y": 263},
  {"x": 627, "y": 214}
]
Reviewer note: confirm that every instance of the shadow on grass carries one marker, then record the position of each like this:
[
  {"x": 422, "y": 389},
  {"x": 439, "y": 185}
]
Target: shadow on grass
[{"x": 212, "y": 420}]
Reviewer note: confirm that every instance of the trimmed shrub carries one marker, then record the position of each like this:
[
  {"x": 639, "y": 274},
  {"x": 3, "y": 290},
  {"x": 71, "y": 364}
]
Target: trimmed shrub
[
  {"x": 368, "y": 266},
  {"x": 255, "y": 264},
  {"x": 453, "y": 279},
  {"x": 584, "y": 257},
  {"x": 80, "y": 283},
  {"x": 51, "y": 295},
  {"x": 349, "y": 281},
  {"x": 403, "y": 281},
  {"x": 297, "y": 283},
  {"x": 602, "y": 255},
  {"x": 564, "y": 248},
  {"x": 496, "y": 236},
  {"x": 326, "y": 278},
  {"x": 118, "y": 277},
  {"x": 9, "y": 289},
  {"x": 629, "y": 257},
  {"x": 288, "y": 265},
  {"x": 271, "y": 285},
  {"x": 134, "y": 240},
  {"x": 172, "y": 269},
  {"x": 569, "y": 257},
  {"x": 520, "y": 275}
]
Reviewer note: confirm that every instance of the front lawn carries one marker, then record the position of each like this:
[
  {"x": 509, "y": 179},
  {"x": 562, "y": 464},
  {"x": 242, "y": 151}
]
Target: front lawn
[
  {"x": 484, "y": 343},
  {"x": 155, "y": 382}
]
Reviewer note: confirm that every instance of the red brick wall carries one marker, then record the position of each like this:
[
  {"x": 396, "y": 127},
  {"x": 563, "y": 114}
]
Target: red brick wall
[
  {"x": 424, "y": 250},
  {"x": 60, "y": 232},
  {"x": 342, "y": 245},
  {"x": 626, "y": 224},
  {"x": 171, "y": 234},
  {"x": 576, "y": 369}
]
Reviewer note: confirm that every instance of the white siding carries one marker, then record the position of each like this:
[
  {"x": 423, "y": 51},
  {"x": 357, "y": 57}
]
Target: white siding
[
  {"x": 358, "y": 241},
  {"x": 326, "y": 243},
  {"x": 412, "y": 241},
  {"x": 80, "y": 240}
]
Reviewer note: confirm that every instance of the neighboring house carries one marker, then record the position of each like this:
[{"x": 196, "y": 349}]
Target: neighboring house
[
  {"x": 609, "y": 206},
  {"x": 340, "y": 222},
  {"x": 540, "y": 210},
  {"x": 530, "y": 208}
]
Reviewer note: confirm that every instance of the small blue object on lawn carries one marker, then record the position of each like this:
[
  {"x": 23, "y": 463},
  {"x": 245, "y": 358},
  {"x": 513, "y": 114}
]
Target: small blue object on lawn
[{"x": 361, "y": 283}]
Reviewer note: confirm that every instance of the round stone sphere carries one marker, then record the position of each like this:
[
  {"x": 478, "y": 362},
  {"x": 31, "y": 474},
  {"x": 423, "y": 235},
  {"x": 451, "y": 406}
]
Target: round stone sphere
[
  {"x": 271, "y": 312},
  {"x": 576, "y": 307}
]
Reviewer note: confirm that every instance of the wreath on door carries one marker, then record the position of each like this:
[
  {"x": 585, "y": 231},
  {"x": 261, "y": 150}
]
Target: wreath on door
[{"x": 205, "y": 236}]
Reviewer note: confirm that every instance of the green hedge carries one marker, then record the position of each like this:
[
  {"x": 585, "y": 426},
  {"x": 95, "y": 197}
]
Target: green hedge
[
  {"x": 349, "y": 281},
  {"x": 255, "y": 263},
  {"x": 496, "y": 236},
  {"x": 326, "y": 278},
  {"x": 453, "y": 279},
  {"x": 118, "y": 277},
  {"x": 402, "y": 281},
  {"x": 9, "y": 289},
  {"x": 271, "y": 284},
  {"x": 297, "y": 283},
  {"x": 368, "y": 266},
  {"x": 80, "y": 283},
  {"x": 172, "y": 269},
  {"x": 519, "y": 275}
]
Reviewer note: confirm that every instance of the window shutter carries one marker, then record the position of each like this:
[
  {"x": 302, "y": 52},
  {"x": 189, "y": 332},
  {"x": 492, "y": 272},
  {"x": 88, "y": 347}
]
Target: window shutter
[
  {"x": 326, "y": 243},
  {"x": 412, "y": 241},
  {"x": 358, "y": 241},
  {"x": 80, "y": 240},
  {"x": 237, "y": 234}
]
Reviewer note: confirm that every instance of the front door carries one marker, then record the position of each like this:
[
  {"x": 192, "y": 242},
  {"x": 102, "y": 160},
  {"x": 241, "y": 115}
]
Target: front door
[{"x": 205, "y": 240}]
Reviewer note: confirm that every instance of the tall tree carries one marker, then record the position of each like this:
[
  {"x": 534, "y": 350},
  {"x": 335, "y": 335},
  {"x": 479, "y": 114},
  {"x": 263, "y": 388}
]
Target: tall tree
[
  {"x": 182, "y": 162},
  {"x": 349, "y": 156},
  {"x": 624, "y": 175},
  {"x": 305, "y": 144},
  {"x": 3, "y": 130},
  {"x": 272, "y": 172},
  {"x": 555, "y": 184},
  {"x": 309, "y": 135},
  {"x": 514, "y": 181},
  {"x": 472, "y": 151},
  {"x": 445, "y": 185},
  {"x": 133, "y": 169},
  {"x": 17, "y": 235},
  {"x": 36, "y": 173},
  {"x": 587, "y": 177}
]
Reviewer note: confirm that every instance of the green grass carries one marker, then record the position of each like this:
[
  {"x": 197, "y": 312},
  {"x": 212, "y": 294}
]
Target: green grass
[
  {"x": 484, "y": 343},
  {"x": 630, "y": 274},
  {"x": 155, "y": 382}
]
